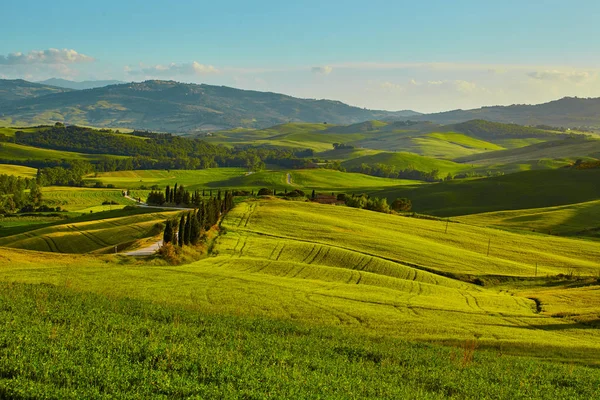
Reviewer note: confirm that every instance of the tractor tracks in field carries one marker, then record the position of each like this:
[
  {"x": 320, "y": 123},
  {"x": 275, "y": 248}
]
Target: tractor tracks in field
[{"x": 363, "y": 253}]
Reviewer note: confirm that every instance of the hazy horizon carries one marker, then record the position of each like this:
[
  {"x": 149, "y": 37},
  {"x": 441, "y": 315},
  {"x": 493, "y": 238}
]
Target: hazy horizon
[{"x": 428, "y": 57}]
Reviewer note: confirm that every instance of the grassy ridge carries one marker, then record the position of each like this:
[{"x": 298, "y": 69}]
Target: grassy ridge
[
  {"x": 529, "y": 189},
  {"x": 567, "y": 150},
  {"x": 403, "y": 160},
  {"x": 189, "y": 178},
  {"x": 12, "y": 151},
  {"x": 321, "y": 179},
  {"x": 18, "y": 170},
  {"x": 582, "y": 219}
]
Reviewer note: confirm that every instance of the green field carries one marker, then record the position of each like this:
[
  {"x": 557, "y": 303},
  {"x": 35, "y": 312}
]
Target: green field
[
  {"x": 403, "y": 160},
  {"x": 18, "y": 170},
  {"x": 299, "y": 289},
  {"x": 494, "y": 294},
  {"x": 566, "y": 150},
  {"x": 529, "y": 189},
  {"x": 146, "y": 350},
  {"x": 162, "y": 178},
  {"x": 83, "y": 200},
  {"x": 12, "y": 151},
  {"x": 100, "y": 233},
  {"x": 581, "y": 219},
  {"x": 228, "y": 178}
]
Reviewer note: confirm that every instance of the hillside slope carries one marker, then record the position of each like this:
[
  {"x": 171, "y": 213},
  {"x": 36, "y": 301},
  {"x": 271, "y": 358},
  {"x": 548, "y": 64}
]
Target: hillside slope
[
  {"x": 18, "y": 89},
  {"x": 567, "y": 112},
  {"x": 529, "y": 189},
  {"x": 177, "y": 107}
]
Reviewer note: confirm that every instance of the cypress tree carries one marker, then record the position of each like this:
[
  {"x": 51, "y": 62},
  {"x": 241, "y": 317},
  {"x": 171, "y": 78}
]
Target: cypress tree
[
  {"x": 181, "y": 230},
  {"x": 187, "y": 235},
  {"x": 200, "y": 214},
  {"x": 174, "y": 194},
  {"x": 167, "y": 193},
  {"x": 195, "y": 230},
  {"x": 313, "y": 195},
  {"x": 168, "y": 235}
]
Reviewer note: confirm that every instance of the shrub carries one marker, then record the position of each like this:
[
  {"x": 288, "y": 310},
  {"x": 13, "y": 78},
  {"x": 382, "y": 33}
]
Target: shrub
[
  {"x": 265, "y": 192},
  {"x": 295, "y": 193},
  {"x": 402, "y": 204},
  {"x": 170, "y": 253}
]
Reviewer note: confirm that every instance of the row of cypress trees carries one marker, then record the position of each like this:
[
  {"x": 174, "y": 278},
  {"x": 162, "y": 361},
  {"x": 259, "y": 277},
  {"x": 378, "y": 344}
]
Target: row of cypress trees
[{"x": 192, "y": 225}]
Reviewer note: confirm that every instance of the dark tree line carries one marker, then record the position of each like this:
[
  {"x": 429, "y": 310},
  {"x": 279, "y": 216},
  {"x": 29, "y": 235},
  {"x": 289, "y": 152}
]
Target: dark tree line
[
  {"x": 390, "y": 171},
  {"x": 147, "y": 150},
  {"x": 191, "y": 226}
]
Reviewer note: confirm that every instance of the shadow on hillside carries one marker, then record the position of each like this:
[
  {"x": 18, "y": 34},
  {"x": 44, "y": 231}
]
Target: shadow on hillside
[{"x": 593, "y": 324}]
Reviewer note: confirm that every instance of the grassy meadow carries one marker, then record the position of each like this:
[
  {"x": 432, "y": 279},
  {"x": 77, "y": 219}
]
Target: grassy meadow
[
  {"x": 84, "y": 200},
  {"x": 146, "y": 350},
  {"x": 12, "y": 151},
  {"x": 238, "y": 178},
  {"x": 494, "y": 294},
  {"x": 297, "y": 298},
  {"x": 580, "y": 219},
  {"x": 523, "y": 190},
  {"x": 18, "y": 170}
]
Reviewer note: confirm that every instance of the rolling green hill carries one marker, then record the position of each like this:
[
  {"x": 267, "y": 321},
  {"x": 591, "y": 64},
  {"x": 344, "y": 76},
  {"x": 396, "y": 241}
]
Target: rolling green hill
[
  {"x": 101, "y": 234},
  {"x": 323, "y": 265},
  {"x": 404, "y": 160},
  {"x": 567, "y": 150},
  {"x": 529, "y": 189},
  {"x": 237, "y": 178},
  {"x": 18, "y": 170},
  {"x": 12, "y": 151},
  {"x": 580, "y": 219}
]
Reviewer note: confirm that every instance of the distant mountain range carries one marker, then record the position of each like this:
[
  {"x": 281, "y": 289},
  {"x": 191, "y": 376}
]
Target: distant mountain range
[
  {"x": 183, "y": 108},
  {"x": 567, "y": 112},
  {"x": 177, "y": 107},
  {"x": 64, "y": 83},
  {"x": 18, "y": 89}
]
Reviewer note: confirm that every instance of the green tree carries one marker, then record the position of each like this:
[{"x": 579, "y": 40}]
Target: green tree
[
  {"x": 187, "y": 234},
  {"x": 181, "y": 235},
  {"x": 168, "y": 234},
  {"x": 402, "y": 204},
  {"x": 35, "y": 195},
  {"x": 195, "y": 230}
]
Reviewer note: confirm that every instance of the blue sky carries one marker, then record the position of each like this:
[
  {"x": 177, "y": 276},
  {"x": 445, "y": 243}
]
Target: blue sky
[{"x": 427, "y": 55}]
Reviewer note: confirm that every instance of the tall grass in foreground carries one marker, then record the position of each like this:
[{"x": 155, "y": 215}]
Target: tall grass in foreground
[{"x": 58, "y": 343}]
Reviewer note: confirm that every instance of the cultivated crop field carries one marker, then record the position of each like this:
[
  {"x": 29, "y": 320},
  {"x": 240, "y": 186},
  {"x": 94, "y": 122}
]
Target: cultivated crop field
[
  {"x": 100, "y": 233},
  {"x": 18, "y": 170},
  {"x": 580, "y": 219},
  {"x": 84, "y": 200},
  {"x": 142, "y": 350},
  {"x": 393, "y": 276},
  {"x": 227, "y": 178}
]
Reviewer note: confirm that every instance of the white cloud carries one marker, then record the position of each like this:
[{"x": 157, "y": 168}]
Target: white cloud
[
  {"x": 193, "y": 68},
  {"x": 50, "y": 56},
  {"x": 325, "y": 70},
  {"x": 567, "y": 76},
  {"x": 391, "y": 87}
]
